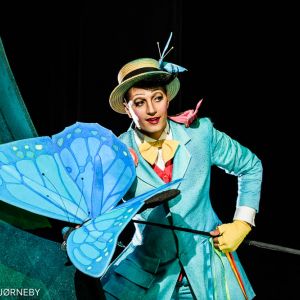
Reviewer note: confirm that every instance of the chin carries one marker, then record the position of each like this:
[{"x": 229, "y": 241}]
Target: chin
[{"x": 153, "y": 130}]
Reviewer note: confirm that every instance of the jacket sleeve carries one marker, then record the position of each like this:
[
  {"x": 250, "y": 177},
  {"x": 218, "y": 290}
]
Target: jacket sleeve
[{"x": 235, "y": 159}]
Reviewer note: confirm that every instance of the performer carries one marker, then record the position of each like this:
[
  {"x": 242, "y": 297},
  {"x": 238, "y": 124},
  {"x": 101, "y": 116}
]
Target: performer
[{"x": 170, "y": 264}]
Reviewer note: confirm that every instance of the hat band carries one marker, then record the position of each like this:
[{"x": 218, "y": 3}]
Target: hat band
[{"x": 139, "y": 71}]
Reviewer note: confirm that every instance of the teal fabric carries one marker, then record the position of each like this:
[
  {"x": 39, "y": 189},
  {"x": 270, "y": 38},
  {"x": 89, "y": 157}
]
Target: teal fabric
[
  {"x": 160, "y": 252},
  {"x": 27, "y": 260},
  {"x": 15, "y": 122}
]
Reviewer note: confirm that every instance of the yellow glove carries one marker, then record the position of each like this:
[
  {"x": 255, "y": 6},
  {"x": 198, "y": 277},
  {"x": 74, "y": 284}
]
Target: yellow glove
[{"x": 232, "y": 235}]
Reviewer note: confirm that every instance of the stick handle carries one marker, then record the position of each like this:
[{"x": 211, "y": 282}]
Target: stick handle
[{"x": 272, "y": 247}]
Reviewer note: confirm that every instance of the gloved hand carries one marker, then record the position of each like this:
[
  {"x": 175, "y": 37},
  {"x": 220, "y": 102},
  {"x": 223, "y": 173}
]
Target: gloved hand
[{"x": 231, "y": 235}]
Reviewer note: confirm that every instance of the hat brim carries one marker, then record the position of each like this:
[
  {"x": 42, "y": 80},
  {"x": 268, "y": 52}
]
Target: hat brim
[{"x": 116, "y": 98}]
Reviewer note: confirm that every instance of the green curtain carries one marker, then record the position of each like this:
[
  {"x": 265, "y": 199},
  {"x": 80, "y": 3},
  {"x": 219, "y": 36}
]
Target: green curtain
[
  {"x": 15, "y": 124},
  {"x": 28, "y": 259}
]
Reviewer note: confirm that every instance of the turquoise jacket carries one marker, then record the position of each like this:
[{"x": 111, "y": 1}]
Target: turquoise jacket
[{"x": 150, "y": 265}]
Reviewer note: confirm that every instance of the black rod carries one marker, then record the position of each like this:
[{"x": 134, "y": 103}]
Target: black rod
[
  {"x": 247, "y": 242},
  {"x": 173, "y": 227}
]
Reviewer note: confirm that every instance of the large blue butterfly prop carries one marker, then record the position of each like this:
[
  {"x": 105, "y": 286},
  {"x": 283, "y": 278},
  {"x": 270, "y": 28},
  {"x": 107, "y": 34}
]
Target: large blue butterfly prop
[{"x": 79, "y": 176}]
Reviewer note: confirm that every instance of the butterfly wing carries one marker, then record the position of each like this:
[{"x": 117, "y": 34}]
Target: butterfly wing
[
  {"x": 91, "y": 247},
  {"x": 99, "y": 163},
  {"x": 172, "y": 68},
  {"x": 78, "y": 174},
  {"x": 32, "y": 177}
]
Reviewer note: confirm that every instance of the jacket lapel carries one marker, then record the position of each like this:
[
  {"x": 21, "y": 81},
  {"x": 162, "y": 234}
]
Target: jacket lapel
[{"x": 181, "y": 159}]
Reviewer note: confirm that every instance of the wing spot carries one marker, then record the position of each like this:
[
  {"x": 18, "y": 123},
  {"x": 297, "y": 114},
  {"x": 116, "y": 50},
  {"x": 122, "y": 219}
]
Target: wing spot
[
  {"x": 60, "y": 141},
  {"x": 94, "y": 132},
  {"x": 39, "y": 147},
  {"x": 15, "y": 148},
  {"x": 89, "y": 268},
  {"x": 125, "y": 153},
  {"x": 129, "y": 210},
  {"x": 99, "y": 259},
  {"x": 26, "y": 147}
]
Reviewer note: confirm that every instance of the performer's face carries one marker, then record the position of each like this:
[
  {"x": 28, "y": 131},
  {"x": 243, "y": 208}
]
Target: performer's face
[{"x": 151, "y": 108}]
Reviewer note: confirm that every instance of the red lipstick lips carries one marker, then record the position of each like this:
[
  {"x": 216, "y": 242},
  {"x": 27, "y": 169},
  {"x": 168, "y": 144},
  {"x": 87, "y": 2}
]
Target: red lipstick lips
[{"x": 153, "y": 120}]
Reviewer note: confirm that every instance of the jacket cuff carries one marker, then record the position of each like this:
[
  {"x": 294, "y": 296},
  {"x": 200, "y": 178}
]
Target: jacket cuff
[{"x": 245, "y": 213}]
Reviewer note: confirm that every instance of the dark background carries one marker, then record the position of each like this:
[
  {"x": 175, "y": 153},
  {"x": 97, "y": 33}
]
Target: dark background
[{"x": 241, "y": 59}]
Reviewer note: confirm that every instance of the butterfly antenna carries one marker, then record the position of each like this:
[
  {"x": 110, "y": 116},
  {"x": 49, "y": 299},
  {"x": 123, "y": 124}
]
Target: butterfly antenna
[
  {"x": 158, "y": 49},
  {"x": 166, "y": 47},
  {"x": 168, "y": 52},
  {"x": 62, "y": 201}
]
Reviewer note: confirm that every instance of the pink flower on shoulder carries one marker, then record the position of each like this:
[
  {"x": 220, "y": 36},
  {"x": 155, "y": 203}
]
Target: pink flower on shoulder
[{"x": 187, "y": 117}]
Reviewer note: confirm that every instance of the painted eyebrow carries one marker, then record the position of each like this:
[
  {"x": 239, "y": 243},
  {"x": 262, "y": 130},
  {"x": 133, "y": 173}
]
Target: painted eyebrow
[{"x": 136, "y": 96}]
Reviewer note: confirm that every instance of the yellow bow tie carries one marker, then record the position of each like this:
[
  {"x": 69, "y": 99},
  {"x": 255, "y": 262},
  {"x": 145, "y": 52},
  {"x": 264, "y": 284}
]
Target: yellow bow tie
[{"x": 149, "y": 150}]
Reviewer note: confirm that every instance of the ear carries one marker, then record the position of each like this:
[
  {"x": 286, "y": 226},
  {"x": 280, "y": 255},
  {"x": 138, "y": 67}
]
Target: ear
[{"x": 127, "y": 109}]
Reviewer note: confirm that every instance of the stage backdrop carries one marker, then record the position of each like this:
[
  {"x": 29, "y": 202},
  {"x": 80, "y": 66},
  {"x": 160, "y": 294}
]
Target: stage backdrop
[{"x": 241, "y": 59}]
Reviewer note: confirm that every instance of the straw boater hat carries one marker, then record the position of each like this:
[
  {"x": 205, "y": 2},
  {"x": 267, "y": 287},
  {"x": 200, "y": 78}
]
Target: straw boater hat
[{"x": 143, "y": 69}]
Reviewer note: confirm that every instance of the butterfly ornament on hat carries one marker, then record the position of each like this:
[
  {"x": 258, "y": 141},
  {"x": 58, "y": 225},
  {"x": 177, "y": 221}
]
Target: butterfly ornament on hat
[
  {"x": 171, "y": 68},
  {"x": 146, "y": 70}
]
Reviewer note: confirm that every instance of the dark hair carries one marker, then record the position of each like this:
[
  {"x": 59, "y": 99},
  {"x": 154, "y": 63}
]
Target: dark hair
[{"x": 153, "y": 82}]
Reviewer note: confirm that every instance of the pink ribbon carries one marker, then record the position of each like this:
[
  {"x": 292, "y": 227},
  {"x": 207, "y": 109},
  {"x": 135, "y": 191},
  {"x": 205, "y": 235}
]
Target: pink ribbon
[{"x": 187, "y": 117}]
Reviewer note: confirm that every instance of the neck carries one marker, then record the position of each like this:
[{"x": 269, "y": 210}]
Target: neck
[{"x": 153, "y": 135}]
